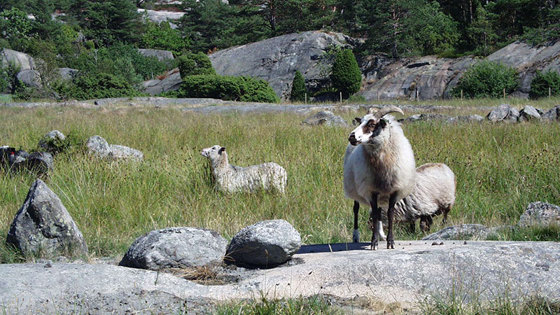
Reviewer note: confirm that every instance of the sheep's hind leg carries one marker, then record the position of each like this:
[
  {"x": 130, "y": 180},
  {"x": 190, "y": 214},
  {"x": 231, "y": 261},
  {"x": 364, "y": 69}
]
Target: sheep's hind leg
[
  {"x": 390, "y": 215},
  {"x": 356, "y": 234},
  {"x": 375, "y": 217}
]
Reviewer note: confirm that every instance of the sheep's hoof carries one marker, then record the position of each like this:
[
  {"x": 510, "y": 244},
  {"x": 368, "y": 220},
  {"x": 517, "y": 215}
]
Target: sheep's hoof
[
  {"x": 374, "y": 245},
  {"x": 391, "y": 244}
]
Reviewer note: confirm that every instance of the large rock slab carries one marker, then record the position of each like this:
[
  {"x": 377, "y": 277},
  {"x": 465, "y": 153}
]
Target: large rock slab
[
  {"x": 540, "y": 214},
  {"x": 171, "y": 81},
  {"x": 264, "y": 244},
  {"x": 276, "y": 59},
  {"x": 529, "y": 113},
  {"x": 99, "y": 147},
  {"x": 31, "y": 78},
  {"x": 44, "y": 227},
  {"x": 177, "y": 247},
  {"x": 406, "y": 276},
  {"x": 19, "y": 59}
]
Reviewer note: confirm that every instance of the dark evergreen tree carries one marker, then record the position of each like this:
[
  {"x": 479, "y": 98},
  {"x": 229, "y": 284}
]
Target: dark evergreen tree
[
  {"x": 346, "y": 76},
  {"x": 298, "y": 88},
  {"x": 544, "y": 83}
]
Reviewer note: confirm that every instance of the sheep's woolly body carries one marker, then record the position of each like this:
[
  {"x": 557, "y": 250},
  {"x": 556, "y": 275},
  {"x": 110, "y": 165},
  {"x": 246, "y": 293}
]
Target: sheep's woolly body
[
  {"x": 230, "y": 178},
  {"x": 434, "y": 193}
]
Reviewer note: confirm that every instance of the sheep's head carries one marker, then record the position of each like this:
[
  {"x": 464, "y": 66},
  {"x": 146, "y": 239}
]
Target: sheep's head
[
  {"x": 213, "y": 152},
  {"x": 372, "y": 126}
]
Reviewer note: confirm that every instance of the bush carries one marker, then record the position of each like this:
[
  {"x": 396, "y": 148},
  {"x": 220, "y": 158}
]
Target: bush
[
  {"x": 195, "y": 64},
  {"x": 99, "y": 85},
  {"x": 244, "y": 89},
  {"x": 487, "y": 79},
  {"x": 346, "y": 76},
  {"x": 298, "y": 88},
  {"x": 543, "y": 82}
]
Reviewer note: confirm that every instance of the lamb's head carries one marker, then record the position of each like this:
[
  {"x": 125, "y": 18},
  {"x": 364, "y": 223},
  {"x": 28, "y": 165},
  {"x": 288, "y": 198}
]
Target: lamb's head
[
  {"x": 214, "y": 152},
  {"x": 373, "y": 128}
]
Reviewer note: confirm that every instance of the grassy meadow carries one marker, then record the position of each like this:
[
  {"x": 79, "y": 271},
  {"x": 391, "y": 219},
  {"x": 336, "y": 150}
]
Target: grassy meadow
[{"x": 500, "y": 169}]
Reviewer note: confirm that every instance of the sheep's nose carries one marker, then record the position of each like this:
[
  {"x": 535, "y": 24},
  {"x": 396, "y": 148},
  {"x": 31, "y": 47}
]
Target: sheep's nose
[{"x": 352, "y": 139}]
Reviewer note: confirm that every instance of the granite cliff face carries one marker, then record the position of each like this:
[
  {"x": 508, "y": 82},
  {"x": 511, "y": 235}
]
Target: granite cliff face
[{"x": 277, "y": 59}]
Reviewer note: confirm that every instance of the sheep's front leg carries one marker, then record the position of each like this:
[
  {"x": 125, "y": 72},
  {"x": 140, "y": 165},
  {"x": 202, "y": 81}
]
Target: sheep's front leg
[
  {"x": 390, "y": 215},
  {"x": 356, "y": 234},
  {"x": 375, "y": 217}
]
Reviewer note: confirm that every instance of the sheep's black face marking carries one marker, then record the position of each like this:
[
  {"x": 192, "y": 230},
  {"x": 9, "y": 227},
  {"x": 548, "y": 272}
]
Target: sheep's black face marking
[
  {"x": 369, "y": 127},
  {"x": 221, "y": 150}
]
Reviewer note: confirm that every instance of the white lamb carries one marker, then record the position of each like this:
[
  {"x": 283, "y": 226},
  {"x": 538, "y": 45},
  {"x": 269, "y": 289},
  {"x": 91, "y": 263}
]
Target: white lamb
[
  {"x": 381, "y": 170},
  {"x": 230, "y": 178}
]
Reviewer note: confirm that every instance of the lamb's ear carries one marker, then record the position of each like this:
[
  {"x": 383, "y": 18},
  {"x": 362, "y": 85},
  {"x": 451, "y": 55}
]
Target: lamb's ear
[
  {"x": 222, "y": 149},
  {"x": 356, "y": 121}
]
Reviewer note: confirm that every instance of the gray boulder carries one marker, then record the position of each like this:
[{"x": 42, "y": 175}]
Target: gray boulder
[
  {"x": 552, "y": 114},
  {"x": 158, "y": 16},
  {"x": 98, "y": 146},
  {"x": 171, "y": 81},
  {"x": 52, "y": 142},
  {"x": 177, "y": 247},
  {"x": 467, "y": 118},
  {"x": 158, "y": 53},
  {"x": 276, "y": 60},
  {"x": 30, "y": 78},
  {"x": 540, "y": 214},
  {"x": 121, "y": 152},
  {"x": 459, "y": 232},
  {"x": 529, "y": 113},
  {"x": 21, "y": 60},
  {"x": 43, "y": 226},
  {"x": 503, "y": 112},
  {"x": 265, "y": 244},
  {"x": 39, "y": 162},
  {"x": 67, "y": 73},
  {"x": 426, "y": 117},
  {"x": 326, "y": 118}
]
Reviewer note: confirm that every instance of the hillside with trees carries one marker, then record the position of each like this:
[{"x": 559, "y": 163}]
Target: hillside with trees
[{"x": 100, "y": 38}]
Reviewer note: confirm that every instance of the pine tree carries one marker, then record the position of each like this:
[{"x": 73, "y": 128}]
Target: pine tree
[
  {"x": 298, "y": 88},
  {"x": 346, "y": 76}
]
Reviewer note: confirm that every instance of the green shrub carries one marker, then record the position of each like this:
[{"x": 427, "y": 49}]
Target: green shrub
[
  {"x": 96, "y": 85},
  {"x": 298, "y": 88},
  {"x": 487, "y": 79},
  {"x": 245, "y": 89},
  {"x": 195, "y": 64},
  {"x": 346, "y": 76},
  {"x": 544, "y": 81},
  {"x": 4, "y": 79}
]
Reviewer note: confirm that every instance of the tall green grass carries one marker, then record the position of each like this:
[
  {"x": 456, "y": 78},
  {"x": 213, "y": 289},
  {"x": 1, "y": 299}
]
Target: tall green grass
[{"x": 500, "y": 169}]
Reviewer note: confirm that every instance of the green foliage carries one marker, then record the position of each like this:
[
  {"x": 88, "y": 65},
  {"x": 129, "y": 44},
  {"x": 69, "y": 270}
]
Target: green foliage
[
  {"x": 544, "y": 81},
  {"x": 4, "y": 79},
  {"x": 97, "y": 85},
  {"x": 313, "y": 305},
  {"x": 346, "y": 76},
  {"x": 244, "y": 89},
  {"x": 487, "y": 79},
  {"x": 162, "y": 36},
  {"x": 195, "y": 64},
  {"x": 107, "y": 22},
  {"x": 298, "y": 88},
  {"x": 15, "y": 28}
]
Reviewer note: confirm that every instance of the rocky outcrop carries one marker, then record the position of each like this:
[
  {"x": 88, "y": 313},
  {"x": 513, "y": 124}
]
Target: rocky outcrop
[
  {"x": 177, "y": 247},
  {"x": 265, "y": 244},
  {"x": 277, "y": 59},
  {"x": 158, "y": 53},
  {"x": 44, "y": 227},
  {"x": 162, "y": 16},
  {"x": 422, "y": 78},
  {"x": 21, "y": 60},
  {"x": 171, "y": 81},
  {"x": 31, "y": 78}
]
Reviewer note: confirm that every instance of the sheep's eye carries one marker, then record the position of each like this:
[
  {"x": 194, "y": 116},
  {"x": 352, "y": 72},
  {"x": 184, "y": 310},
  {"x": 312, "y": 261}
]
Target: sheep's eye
[{"x": 371, "y": 123}]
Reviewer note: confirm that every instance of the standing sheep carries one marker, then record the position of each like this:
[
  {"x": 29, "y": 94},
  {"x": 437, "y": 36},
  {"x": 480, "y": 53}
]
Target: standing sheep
[
  {"x": 434, "y": 194},
  {"x": 381, "y": 170},
  {"x": 230, "y": 178}
]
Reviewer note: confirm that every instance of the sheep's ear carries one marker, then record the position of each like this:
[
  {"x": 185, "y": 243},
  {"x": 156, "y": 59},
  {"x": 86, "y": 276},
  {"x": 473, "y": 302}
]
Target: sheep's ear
[
  {"x": 222, "y": 149},
  {"x": 356, "y": 121}
]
